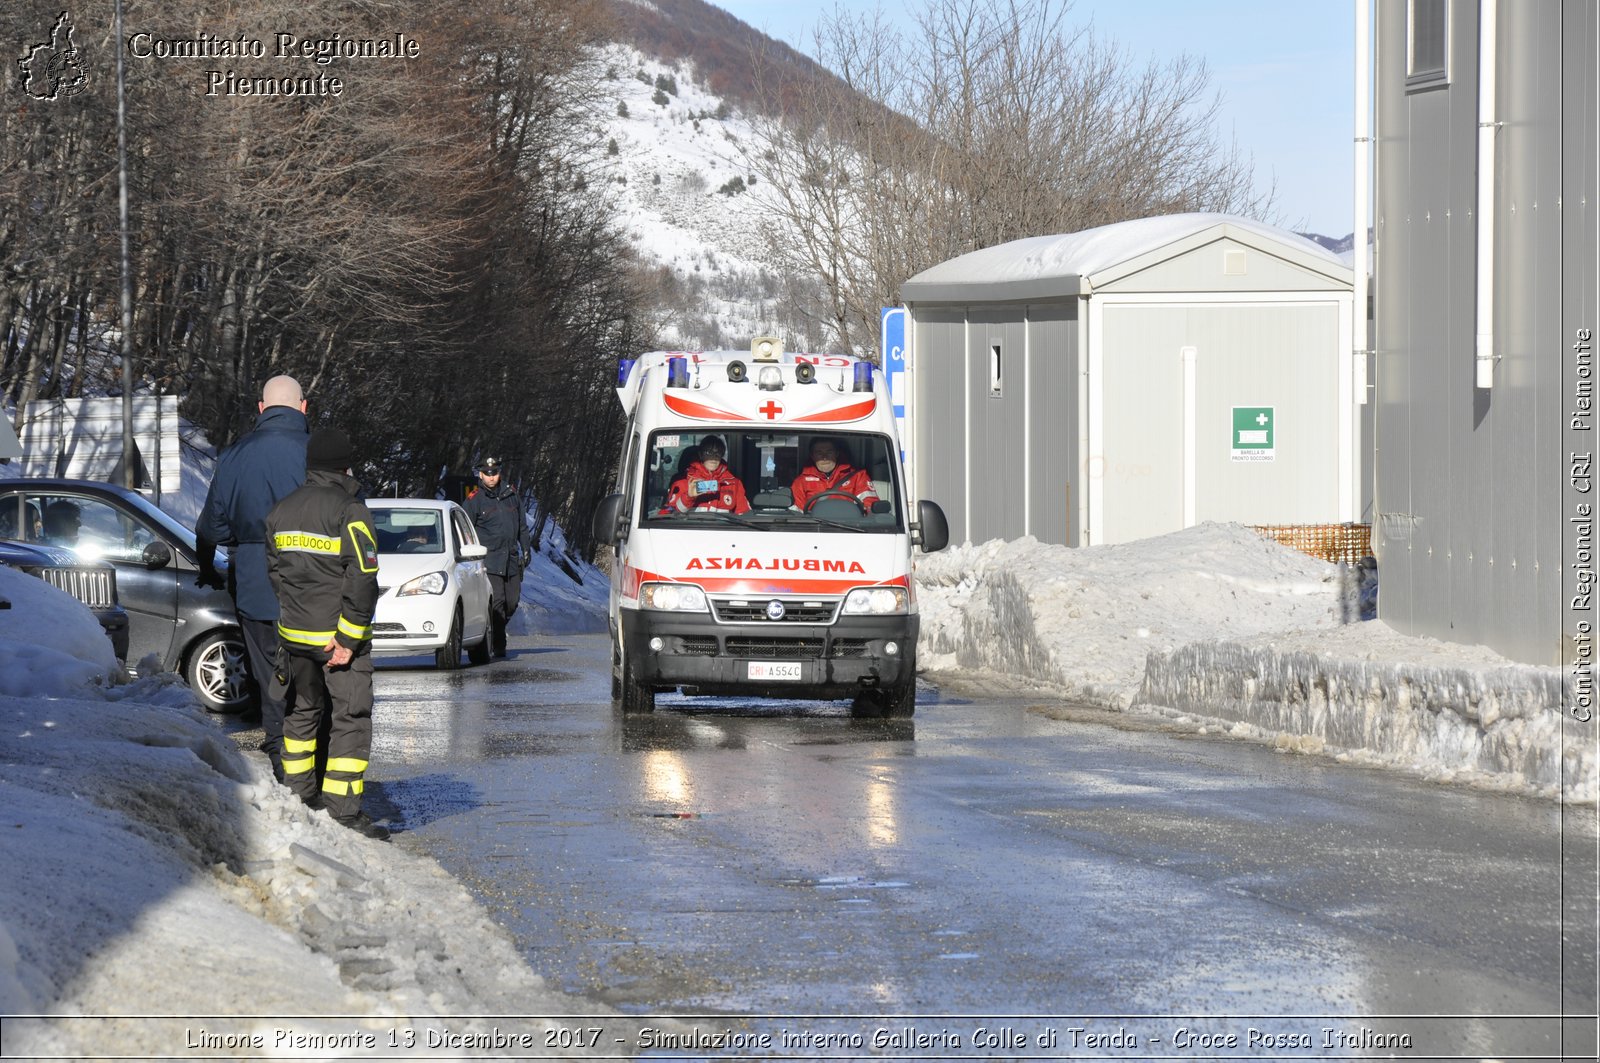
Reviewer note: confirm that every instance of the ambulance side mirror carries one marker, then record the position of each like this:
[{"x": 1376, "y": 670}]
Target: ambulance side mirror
[
  {"x": 606, "y": 519},
  {"x": 932, "y": 531}
]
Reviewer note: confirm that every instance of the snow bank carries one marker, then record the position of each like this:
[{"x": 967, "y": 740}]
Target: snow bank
[
  {"x": 1082, "y": 621},
  {"x": 153, "y": 869},
  {"x": 1371, "y": 694},
  {"x": 1220, "y": 623}
]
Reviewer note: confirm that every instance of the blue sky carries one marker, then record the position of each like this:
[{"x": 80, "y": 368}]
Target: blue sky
[{"x": 1285, "y": 71}]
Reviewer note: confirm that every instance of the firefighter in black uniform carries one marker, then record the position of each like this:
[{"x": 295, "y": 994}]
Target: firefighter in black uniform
[
  {"x": 496, "y": 511},
  {"x": 322, "y": 557}
]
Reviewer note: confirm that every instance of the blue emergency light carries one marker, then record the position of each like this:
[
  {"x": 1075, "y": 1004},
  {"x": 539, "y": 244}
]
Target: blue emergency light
[
  {"x": 624, "y": 367},
  {"x": 863, "y": 376},
  {"x": 677, "y": 372}
]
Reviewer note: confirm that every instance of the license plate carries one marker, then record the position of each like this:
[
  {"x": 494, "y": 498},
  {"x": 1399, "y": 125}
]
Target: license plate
[{"x": 773, "y": 670}]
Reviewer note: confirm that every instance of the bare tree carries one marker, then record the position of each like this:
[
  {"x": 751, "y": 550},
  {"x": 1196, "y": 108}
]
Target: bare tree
[{"x": 995, "y": 120}]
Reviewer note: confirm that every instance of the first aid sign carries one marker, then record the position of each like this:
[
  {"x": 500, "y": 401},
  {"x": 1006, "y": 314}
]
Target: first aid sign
[{"x": 1254, "y": 428}]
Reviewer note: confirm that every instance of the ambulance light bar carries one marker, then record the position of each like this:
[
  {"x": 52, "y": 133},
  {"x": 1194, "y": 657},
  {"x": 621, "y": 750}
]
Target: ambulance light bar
[
  {"x": 677, "y": 372},
  {"x": 766, "y": 349},
  {"x": 863, "y": 376}
]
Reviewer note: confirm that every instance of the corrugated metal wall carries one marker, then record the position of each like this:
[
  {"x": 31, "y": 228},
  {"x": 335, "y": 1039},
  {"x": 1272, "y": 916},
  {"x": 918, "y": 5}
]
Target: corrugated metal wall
[
  {"x": 940, "y": 411},
  {"x": 1469, "y": 480},
  {"x": 1001, "y": 466},
  {"x": 1055, "y": 479}
]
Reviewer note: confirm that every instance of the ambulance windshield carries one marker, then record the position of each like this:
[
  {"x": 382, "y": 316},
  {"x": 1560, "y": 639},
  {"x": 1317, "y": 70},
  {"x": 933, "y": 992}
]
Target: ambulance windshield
[{"x": 833, "y": 481}]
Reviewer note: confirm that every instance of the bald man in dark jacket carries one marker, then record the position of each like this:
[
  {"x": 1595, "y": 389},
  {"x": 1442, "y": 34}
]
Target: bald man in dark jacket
[{"x": 266, "y": 465}]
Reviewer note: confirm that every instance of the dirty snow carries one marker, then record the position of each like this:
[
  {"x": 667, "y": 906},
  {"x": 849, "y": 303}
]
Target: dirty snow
[
  {"x": 153, "y": 869},
  {"x": 1221, "y": 628}
]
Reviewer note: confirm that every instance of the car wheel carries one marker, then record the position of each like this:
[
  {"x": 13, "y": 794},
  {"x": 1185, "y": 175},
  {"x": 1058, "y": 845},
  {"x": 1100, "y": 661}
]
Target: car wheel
[
  {"x": 448, "y": 657},
  {"x": 637, "y": 697},
  {"x": 219, "y": 674}
]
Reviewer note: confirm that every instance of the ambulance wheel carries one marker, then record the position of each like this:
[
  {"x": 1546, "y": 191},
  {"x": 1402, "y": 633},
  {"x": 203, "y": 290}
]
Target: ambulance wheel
[
  {"x": 890, "y": 703},
  {"x": 616, "y": 669},
  {"x": 636, "y": 696}
]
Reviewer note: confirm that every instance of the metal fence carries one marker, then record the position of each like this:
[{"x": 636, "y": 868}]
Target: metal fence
[{"x": 1330, "y": 542}]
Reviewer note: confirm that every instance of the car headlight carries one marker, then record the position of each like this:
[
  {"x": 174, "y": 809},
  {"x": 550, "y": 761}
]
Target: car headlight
[
  {"x": 677, "y": 597},
  {"x": 432, "y": 583},
  {"x": 875, "y": 600}
]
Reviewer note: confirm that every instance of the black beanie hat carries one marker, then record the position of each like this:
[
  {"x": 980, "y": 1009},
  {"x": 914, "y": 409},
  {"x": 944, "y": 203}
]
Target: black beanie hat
[{"x": 330, "y": 449}]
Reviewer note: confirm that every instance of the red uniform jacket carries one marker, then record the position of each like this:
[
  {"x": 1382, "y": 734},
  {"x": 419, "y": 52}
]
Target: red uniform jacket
[
  {"x": 811, "y": 483},
  {"x": 700, "y": 489}
]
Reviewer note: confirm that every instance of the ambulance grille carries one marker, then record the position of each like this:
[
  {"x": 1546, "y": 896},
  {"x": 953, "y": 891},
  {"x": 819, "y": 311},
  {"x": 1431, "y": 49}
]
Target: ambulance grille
[
  {"x": 849, "y": 648},
  {"x": 697, "y": 645},
  {"x": 754, "y": 611},
  {"x": 792, "y": 649}
]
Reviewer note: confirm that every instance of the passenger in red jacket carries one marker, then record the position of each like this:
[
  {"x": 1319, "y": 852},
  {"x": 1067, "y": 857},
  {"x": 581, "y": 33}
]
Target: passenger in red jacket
[
  {"x": 708, "y": 484},
  {"x": 827, "y": 472}
]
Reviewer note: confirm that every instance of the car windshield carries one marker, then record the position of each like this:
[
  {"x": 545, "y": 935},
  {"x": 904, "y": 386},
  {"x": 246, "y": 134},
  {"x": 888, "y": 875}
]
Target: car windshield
[
  {"x": 829, "y": 481},
  {"x": 409, "y": 531}
]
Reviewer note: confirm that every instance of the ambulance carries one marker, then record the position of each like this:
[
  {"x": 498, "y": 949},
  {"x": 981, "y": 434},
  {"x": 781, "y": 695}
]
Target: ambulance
[{"x": 733, "y": 585}]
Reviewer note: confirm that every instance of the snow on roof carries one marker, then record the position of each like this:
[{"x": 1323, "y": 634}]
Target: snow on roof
[{"x": 1071, "y": 263}]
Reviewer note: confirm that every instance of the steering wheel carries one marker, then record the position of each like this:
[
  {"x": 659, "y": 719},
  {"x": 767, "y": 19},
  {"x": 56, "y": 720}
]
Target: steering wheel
[{"x": 834, "y": 492}]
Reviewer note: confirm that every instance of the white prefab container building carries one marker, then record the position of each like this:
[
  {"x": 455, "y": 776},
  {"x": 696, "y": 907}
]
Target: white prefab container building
[{"x": 1131, "y": 380}]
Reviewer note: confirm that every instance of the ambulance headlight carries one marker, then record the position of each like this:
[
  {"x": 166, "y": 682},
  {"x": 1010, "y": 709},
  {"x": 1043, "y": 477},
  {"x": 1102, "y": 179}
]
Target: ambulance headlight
[
  {"x": 432, "y": 583},
  {"x": 875, "y": 601},
  {"x": 673, "y": 597}
]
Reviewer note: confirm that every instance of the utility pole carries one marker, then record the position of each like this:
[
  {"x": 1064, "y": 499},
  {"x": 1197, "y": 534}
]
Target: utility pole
[{"x": 130, "y": 477}]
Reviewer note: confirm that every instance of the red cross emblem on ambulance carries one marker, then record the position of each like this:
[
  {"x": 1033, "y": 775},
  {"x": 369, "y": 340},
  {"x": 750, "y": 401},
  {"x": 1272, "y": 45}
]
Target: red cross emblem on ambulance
[{"x": 771, "y": 410}]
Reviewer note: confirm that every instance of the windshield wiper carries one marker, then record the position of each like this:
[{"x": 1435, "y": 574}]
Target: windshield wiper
[
  {"x": 812, "y": 518},
  {"x": 726, "y": 518}
]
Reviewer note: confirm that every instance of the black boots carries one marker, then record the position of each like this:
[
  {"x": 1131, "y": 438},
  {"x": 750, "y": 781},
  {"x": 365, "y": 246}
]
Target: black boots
[{"x": 362, "y": 824}]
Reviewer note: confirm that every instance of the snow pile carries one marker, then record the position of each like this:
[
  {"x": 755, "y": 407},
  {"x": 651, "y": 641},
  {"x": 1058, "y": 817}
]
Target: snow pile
[
  {"x": 155, "y": 869},
  {"x": 561, "y": 595},
  {"x": 1216, "y": 623},
  {"x": 1082, "y": 621},
  {"x": 1375, "y": 695},
  {"x": 54, "y": 645}
]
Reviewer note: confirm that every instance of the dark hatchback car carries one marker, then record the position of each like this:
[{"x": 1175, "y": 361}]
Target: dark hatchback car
[
  {"x": 94, "y": 583},
  {"x": 191, "y": 630}
]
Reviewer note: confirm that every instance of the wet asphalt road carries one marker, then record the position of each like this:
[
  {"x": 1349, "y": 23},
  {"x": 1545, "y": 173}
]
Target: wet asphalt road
[{"x": 987, "y": 858}]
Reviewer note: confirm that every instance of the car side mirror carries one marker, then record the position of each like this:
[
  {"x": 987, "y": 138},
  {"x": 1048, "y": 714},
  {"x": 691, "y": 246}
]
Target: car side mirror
[
  {"x": 607, "y": 515},
  {"x": 156, "y": 555},
  {"x": 472, "y": 551},
  {"x": 932, "y": 531}
]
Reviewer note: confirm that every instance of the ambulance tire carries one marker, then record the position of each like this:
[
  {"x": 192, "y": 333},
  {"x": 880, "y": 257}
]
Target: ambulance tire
[
  {"x": 636, "y": 697},
  {"x": 890, "y": 703}
]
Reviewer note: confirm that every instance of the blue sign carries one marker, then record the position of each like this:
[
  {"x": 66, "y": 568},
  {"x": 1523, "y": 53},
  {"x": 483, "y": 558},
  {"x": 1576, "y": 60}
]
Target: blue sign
[{"x": 892, "y": 342}]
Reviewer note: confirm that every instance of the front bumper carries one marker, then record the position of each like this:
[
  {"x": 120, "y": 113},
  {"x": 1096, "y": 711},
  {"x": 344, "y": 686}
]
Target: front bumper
[
  {"x": 398, "y": 624},
  {"x": 835, "y": 660}
]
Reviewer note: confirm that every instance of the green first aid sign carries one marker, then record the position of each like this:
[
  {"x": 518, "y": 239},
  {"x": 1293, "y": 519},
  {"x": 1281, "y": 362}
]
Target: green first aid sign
[{"x": 1254, "y": 428}]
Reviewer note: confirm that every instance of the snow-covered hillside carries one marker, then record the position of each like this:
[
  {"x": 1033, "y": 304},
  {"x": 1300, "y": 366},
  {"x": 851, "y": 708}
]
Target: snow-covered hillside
[{"x": 676, "y": 156}]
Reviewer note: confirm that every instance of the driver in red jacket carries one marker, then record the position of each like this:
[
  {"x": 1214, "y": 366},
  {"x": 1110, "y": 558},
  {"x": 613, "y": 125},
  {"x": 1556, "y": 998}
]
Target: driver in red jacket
[{"x": 828, "y": 473}]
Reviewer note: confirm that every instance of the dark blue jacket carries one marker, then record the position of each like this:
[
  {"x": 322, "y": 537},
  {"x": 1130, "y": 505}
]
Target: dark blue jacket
[
  {"x": 502, "y": 527},
  {"x": 252, "y": 475}
]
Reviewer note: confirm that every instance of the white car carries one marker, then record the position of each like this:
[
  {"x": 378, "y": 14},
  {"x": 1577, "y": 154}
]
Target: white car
[{"x": 433, "y": 590}]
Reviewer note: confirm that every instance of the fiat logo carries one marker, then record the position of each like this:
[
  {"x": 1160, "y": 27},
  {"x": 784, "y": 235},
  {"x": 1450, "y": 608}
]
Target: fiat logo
[{"x": 774, "y": 610}]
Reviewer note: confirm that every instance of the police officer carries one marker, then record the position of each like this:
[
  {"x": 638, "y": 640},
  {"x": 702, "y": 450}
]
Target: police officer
[
  {"x": 322, "y": 557},
  {"x": 496, "y": 510}
]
